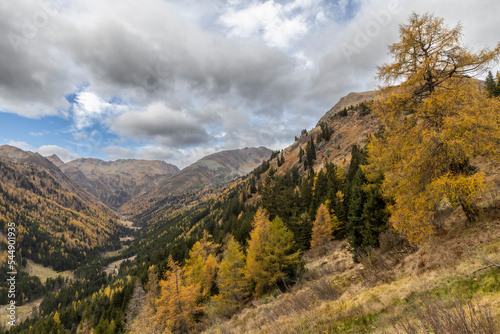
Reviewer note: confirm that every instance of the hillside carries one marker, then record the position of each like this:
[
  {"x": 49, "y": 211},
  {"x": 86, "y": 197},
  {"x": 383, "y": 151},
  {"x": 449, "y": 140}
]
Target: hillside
[
  {"x": 216, "y": 169},
  {"x": 58, "y": 224},
  {"x": 350, "y": 99},
  {"x": 55, "y": 160},
  {"x": 117, "y": 182},
  {"x": 197, "y": 181}
]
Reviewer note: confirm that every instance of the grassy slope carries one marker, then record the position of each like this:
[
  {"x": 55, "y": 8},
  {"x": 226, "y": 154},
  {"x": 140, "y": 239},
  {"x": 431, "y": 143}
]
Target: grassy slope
[{"x": 338, "y": 296}]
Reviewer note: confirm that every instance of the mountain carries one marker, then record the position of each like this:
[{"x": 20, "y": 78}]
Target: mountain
[
  {"x": 117, "y": 182},
  {"x": 57, "y": 223},
  {"x": 216, "y": 169},
  {"x": 230, "y": 208},
  {"x": 19, "y": 156},
  {"x": 350, "y": 99},
  {"x": 55, "y": 160}
]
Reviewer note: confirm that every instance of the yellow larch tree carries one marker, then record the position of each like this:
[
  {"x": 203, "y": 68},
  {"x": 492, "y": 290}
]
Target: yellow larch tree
[
  {"x": 270, "y": 253},
  {"x": 437, "y": 122},
  {"x": 202, "y": 265},
  {"x": 177, "y": 304},
  {"x": 322, "y": 229},
  {"x": 233, "y": 287}
]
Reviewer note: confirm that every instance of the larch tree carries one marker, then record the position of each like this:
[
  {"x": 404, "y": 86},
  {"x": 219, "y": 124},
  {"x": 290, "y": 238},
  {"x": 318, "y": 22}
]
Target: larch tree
[
  {"x": 177, "y": 304},
  {"x": 322, "y": 229},
  {"x": 233, "y": 287},
  {"x": 437, "y": 121},
  {"x": 429, "y": 54},
  {"x": 270, "y": 255},
  {"x": 202, "y": 265}
]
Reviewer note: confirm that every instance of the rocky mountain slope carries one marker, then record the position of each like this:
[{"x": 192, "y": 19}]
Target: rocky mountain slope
[
  {"x": 117, "y": 182},
  {"x": 216, "y": 169}
]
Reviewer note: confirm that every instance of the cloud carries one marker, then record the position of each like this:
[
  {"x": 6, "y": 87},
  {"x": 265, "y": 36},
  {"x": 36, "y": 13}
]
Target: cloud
[
  {"x": 114, "y": 152},
  {"x": 46, "y": 150},
  {"x": 168, "y": 127},
  {"x": 182, "y": 78},
  {"x": 279, "y": 24},
  {"x": 22, "y": 145},
  {"x": 89, "y": 108},
  {"x": 62, "y": 153}
]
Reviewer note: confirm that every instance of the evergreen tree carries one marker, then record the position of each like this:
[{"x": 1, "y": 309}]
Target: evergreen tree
[
  {"x": 310, "y": 154},
  {"x": 491, "y": 85}
]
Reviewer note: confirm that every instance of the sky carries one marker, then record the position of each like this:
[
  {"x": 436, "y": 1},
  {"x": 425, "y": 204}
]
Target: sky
[{"x": 178, "y": 80}]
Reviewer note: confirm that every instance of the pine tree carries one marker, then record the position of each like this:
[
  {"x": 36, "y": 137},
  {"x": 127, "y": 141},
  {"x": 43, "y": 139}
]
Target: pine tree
[
  {"x": 491, "y": 85},
  {"x": 310, "y": 154}
]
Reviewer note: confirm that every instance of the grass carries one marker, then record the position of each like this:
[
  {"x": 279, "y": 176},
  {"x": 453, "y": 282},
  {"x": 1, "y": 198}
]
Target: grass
[
  {"x": 43, "y": 273},
  {"x": 22, "y": 312}
]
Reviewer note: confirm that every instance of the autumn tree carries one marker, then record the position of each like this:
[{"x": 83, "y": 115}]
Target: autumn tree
[
  {"x": 177, "y": 303},
  {"x": 429, "y": 54},
  {"x": 145, "y": 312},
  {"x": 436, "y": 123},
  {"x": 270, "y": 255},
  {"x": 202, "y": 265},
  {"x": 233, "y": 287},
  {"x": 322, "y": 229}
]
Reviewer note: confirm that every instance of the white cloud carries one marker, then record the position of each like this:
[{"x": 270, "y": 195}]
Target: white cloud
[
  {"x": 90, "y": 108},
  {"x": 278, "y": 24},
  {"x": 62, "y": 153},
  {"x": 22, "y": 145}
]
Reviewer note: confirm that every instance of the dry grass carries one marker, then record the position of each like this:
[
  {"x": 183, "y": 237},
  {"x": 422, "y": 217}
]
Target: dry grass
[
  {"x": 456, "y": 316},
  {"x": 43, "y": 273}
]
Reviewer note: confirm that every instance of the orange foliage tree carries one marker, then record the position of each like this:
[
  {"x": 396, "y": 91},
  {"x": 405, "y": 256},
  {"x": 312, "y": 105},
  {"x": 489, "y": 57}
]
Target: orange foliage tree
[
  {"x": 177, "y": 304},
  {"x": 322, "y": 229},
  {"x": 436, "y": 123}
]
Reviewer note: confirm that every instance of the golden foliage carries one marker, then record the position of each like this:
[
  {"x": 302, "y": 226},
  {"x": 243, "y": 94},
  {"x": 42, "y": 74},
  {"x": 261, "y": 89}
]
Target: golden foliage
[
  {"x": 233, "y": 287},
  {"x": 269, "y": 252},
  {"x": 429, "y": 53},
  {"x": 322, "y": 229},
  {"x": 202, "y": 265},
  {"x": 177, "y": 303},
  {"x": 430, "y": 141}
]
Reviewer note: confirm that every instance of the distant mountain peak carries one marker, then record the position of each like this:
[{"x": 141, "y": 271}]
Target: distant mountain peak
[
  {"x": 117, "y": 182},
  {"x": 216, "y": 169},
  {"x": 55, "y": 160}
]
